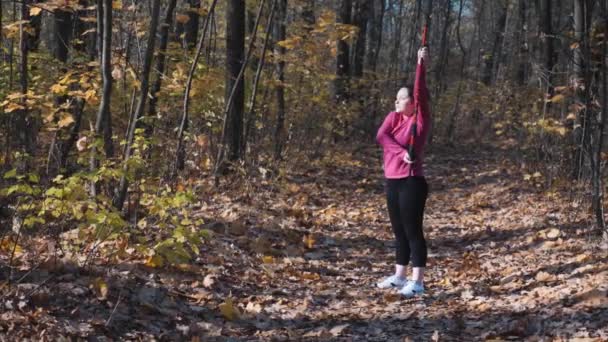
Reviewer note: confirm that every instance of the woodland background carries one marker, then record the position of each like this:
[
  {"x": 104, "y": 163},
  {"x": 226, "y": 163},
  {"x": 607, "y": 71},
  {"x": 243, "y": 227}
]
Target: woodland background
[{"x": 208, "y": 169}]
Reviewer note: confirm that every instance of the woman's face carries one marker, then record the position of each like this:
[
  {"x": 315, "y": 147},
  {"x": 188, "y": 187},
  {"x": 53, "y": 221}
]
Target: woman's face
[{"x": 403, "y": 98}]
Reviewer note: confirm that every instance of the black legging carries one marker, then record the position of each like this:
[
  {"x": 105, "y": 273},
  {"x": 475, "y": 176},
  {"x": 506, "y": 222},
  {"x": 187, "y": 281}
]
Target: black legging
[{"x": 406, "y": 198}]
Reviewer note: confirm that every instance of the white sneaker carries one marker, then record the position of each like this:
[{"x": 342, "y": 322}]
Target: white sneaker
[
  {"x": 392, "y": 281},
  {"x": 412, "y": 289}
]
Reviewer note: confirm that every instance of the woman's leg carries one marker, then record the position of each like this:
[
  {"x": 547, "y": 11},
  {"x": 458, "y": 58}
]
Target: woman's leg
[
  {"x": 393, "y": 189},
  {"x": 412, "y": 201}
]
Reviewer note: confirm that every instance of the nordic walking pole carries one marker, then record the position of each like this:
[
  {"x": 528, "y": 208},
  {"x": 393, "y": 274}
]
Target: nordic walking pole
[{"x": 414, "y": 130}]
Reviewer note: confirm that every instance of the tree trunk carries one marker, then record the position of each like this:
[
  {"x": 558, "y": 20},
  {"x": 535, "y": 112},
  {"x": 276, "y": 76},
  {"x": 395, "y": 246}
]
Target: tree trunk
[
  {"x": 598, "y": 188},
  {"x": 342, "y": 59},
  {"x": 580, "y": 37},
  {"x": 279, "y": 35},
  {"x": 251, "y": 116},
  {"x": 548, "y": 51},
  {"x": 62, "y": 31},
  {"x": 104, "y": 15},
  {"x": 491, "y": 60},
  {"x": 235, "y": 48},
  {"x": 521, "y": 41},
  {"x": 183, "y": 126},
  {"x": 375, "y": 34},
  {"x": 443, "y": 50},
  {"x": 119, "y": 199},
  {"x": 160, "y": 66},
  {"x": 394, "y": 54},
  {"x": 361, "y": 18},
  {"x": 191, "y": 26},
  {"x": 23, "y": 122}
]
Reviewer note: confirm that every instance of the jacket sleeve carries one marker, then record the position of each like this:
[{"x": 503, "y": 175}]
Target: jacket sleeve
[
  {"x": 421, "y": 98},
  {"x": 385, "y": 137}
]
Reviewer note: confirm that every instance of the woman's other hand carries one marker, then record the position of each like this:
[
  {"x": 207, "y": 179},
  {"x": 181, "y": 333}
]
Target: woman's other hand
[{"x": 406, "y": 158}]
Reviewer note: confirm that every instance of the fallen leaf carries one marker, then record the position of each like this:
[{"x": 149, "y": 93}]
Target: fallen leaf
[
  {"x": 553, "y": 233},
  {"x": 338, "y": 329},
  {"x": 229, "y": 311},
  {"x": 253, "y": 307},
  {"x": 209, "y": 280},
  {"x": 309, "y": 241},
  {"x": 101, "y": 288},
  {"x": 155, "y": 261},
  {"x": 544, "y": 276},
  {"x": 268, "y": 259}
]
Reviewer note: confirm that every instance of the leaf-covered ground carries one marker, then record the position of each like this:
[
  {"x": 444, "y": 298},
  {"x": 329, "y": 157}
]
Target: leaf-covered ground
[{"x": 298, "y": 259}]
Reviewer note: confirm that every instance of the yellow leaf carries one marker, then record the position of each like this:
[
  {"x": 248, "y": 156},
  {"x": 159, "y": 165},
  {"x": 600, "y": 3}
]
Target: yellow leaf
[
  {"x": 571, "y": 116},
  {"x": 59, "y": 89},
  {"x": 527, "y": 176},
  {"x": 309, "y": 241},
  {"x": 155, "y": 261},
  {"x": 557, "y": 98},
  {"x": 13, "y": 107},
  {"x": 66, "y": 120},
  {"x": 229, "y": 310},
  {"x": 34, "y": 11},
  {"x": 7, "y": 246},
  {"x": 101, "y": 288},
  {"x": 268, "y": 259},
  {"x": 117, "y": 4}
]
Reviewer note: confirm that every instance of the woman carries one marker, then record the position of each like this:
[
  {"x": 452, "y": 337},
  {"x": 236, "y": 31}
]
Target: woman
[{"x": 406, "y": 187}]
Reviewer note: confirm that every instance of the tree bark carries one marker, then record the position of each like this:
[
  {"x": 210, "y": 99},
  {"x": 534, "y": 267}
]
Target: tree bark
[
  {"x": 160, "y": 66},
  {"x": 342, "y": 59},
  {"x": 191, "y": 26},
  {"x": 183, "y": 127},
  {"x": 548, "y": 50},
  {"x": 250, "y": 119},
  {"x": 23, "y": 124},
  {"x": 491, "y": 60},
  {"x": 235, "y": 48},
  {"x": 62, "y": 31},
  {"x": 104, "y": 15},
  {"x": 361, "y": 18},
  {"x": 279, "y": 35},
  {"x": 119, "y": 199}
]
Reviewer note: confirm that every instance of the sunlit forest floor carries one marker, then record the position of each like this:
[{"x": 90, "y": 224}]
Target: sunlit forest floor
[{"x": 297, "y": 258}]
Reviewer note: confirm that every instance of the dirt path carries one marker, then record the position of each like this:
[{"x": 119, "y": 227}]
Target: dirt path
[{"x": 299, "y": 262}]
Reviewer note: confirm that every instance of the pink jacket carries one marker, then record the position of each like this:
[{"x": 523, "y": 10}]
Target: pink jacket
[{"x": 394, "y": 134}]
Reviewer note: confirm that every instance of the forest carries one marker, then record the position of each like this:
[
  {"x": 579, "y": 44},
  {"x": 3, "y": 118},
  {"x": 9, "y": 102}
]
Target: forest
[{"x": 193, "y": 170}]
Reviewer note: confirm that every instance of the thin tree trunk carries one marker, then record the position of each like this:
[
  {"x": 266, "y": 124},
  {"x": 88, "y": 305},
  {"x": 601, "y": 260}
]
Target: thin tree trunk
[
  {"x": 280, "y": 89},
  {"x": 119, "y": 199},
  {"x": 191, "y": 26},
  {"x": 62, "y": 30},
  {"x": 522, "y": 52},
  {"x": 104, "y": 15},
  {"x": 234, "y": 79},
  {"x": 258, "y": 73},
  {"x": 160, "y": 66},
  {"x": 181, "y": 152},
  {"x": 456, "y": 110},
  {"x": 598, "y": 189},
  {"x": 548, "y": 50},
  {"x": 361, "y": 19},
  {"x": 491, "y": 60},
  {"x": 342, "y": 68},
  {"x": 23, "y": 123}
]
